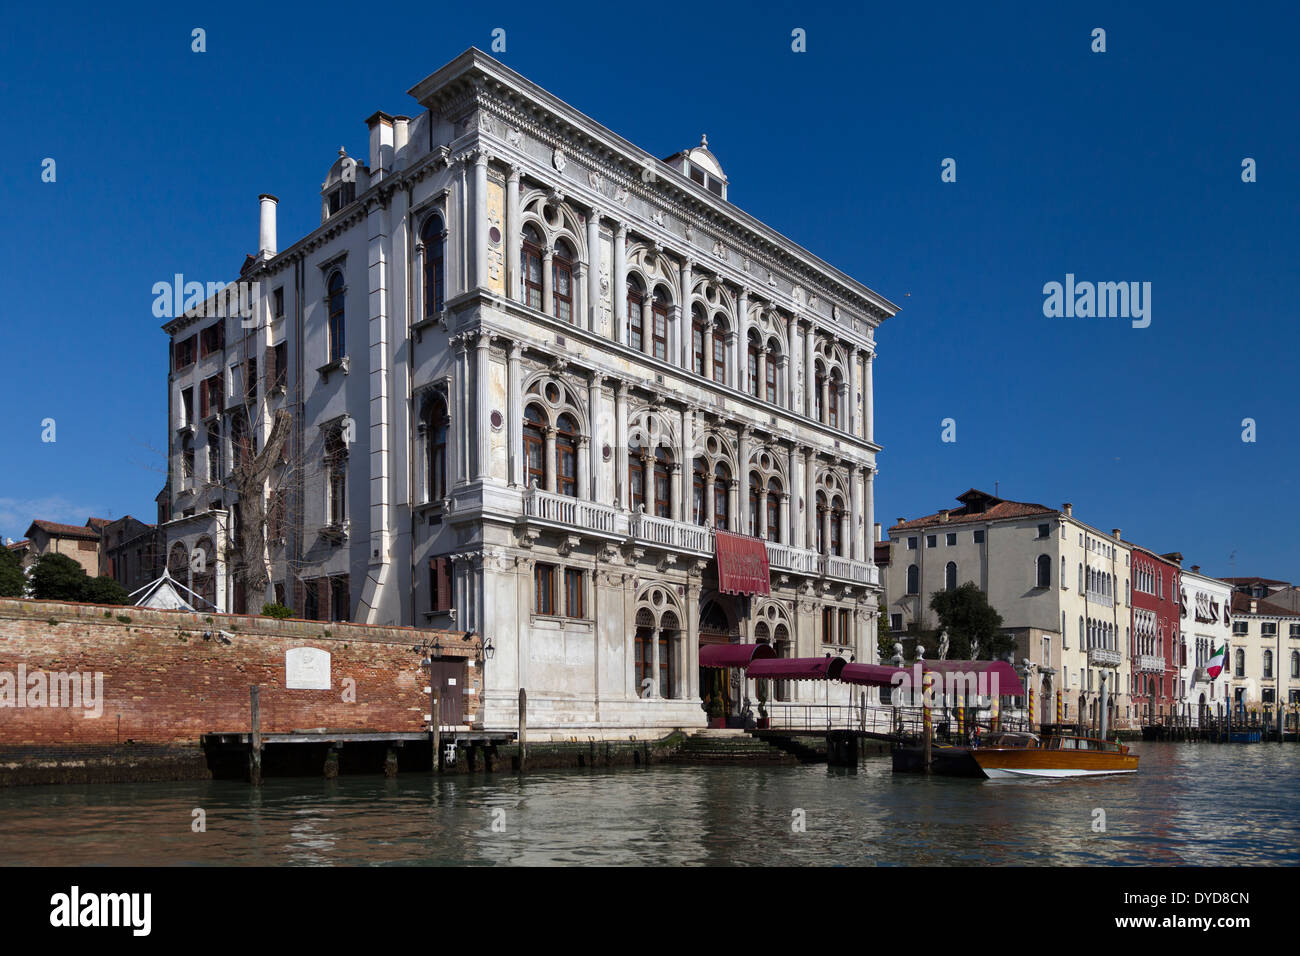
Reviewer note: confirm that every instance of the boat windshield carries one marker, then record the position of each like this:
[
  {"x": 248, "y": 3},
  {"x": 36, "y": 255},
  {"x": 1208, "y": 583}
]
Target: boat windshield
[{"x": 1010, "y": 740}]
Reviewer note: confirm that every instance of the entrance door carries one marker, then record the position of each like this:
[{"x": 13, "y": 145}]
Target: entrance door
[{"x": 449, "y": 679}]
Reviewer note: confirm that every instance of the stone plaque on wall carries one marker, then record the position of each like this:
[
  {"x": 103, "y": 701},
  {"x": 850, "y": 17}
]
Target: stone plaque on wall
[{"x": 306, "y": 668}]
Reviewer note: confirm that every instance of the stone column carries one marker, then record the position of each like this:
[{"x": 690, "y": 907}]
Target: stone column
[
  {"x": 709, "y": 503},
  {"x": 783, "y": 518},
  {"x": 417, "y": 294},
  {"x": 597, "y": 492},
  {"x": 869, "y": 514},
  {"x": 593, "y": 268},
  {"x": 790, "y": 523},
  {"x": 619, "y": 292},
  {"x": 742, "y": 480},
  {"x": 809, "y": 372},
  {"x": 792, "y": 327},
  {"x": 846, "y": 539},
  {"x": 709, "y": 333},
  {"x": 548, "y": 281},
  {"x": 761, "y": 530},
  {"x": 481, "y": 400},
  {"x": 516, "y": 433},
  {"x": 620, "y": 448},
  {"x": 480, "y": 223},
  {"x": 741, "y": 381},
  {"x": 810, "y": 499},
  {"x": 654, "y": 649},
  {"x": 551, "y": 463},
  {"x": 513, "y": 237},
  {"x": 674, "y": 488},
  {"x": 852, "y": 421},
  {"x": 762, "y": 372},
  {"x": 647, "y": 326},
  {"x": 461, "y": 414},
  {"x": 684, "y": 276},
  {"x": 825, "y": 415},
  {"x": 583, "y": 458},
  {"x": 687, "y": 462},
  {"x": 869, "y": 412},
  {"x": 853, "y": 547}
]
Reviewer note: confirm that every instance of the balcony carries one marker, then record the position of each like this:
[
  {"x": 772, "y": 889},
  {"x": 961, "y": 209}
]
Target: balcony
[
  {"x": 1103, "y": 657},
  {"x": 666, "y": 533},
  {"x": 1105, "y": 600},
  {"x": 783, "y": 557},
  {"x": 1149, "y": 662},
  {"x": 564, "y": 511},
  {"x": 847, "y": 569}
]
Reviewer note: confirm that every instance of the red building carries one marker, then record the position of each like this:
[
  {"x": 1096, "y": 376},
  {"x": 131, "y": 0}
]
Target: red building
[{"x": 1153, "y": 632}]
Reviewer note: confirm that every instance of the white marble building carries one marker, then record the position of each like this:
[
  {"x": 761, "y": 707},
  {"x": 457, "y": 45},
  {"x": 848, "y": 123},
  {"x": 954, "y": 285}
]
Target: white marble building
[
  {"x": 1205, "y": 626},
  {"x": 530, "y": 368}
]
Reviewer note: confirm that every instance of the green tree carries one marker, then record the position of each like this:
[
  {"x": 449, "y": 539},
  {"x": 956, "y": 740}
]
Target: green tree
[
  {"x": 884, "y": 639},
  {"x": 12, "y": 579},
  {"x": 967, "y": 617},
  {"x": 56, "y": 577},
  {"x": 104, "y": 590}
]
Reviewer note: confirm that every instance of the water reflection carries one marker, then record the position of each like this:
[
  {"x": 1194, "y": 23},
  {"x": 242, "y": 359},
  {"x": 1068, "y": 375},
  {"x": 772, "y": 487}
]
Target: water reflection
[{"x": 1190, "y": 804}]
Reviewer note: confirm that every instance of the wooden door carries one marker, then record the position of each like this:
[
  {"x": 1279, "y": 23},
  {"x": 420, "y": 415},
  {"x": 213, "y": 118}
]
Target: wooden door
[{"x": 449, "y": 679}]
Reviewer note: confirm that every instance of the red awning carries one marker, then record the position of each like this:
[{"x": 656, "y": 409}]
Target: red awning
[
  {"x": 872, "y": 675},
  {"x": 733, "y": 655},
  {"x": 797, "y": 668},
  {"x": 742, "y": 564},
  {"x": 1008, "y": 680}
]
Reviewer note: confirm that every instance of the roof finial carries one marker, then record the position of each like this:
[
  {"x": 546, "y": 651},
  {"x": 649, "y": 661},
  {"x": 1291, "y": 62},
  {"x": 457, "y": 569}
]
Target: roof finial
[
  {"x": 342, "y": 151},
  {"x": 704, "y": 140}
]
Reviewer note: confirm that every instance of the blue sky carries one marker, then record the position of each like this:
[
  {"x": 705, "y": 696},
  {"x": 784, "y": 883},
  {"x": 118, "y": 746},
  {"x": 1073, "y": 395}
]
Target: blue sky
[{"x": 1115, "y": 166}]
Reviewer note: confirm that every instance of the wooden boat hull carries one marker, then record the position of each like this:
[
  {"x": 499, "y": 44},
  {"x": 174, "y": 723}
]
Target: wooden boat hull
[{"x": 1001, "y": 764}]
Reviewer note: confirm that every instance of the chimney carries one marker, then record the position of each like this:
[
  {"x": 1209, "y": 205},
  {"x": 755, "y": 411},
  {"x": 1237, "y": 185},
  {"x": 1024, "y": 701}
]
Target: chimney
[
  {"x": 401, "y": 136},
  {"x": 266, "y": 226},
  {"x": 900, "y": 521},
  {"x": 943, "y": 516},
  {"x": 1254, "y": 606},
  {"x": 1196, "y": 569},
  {"x": 1115, "y": 534},
  {"x": 1068, "y": 508},
  {"x": 879, "y": 532},
  {"x": 381, "y": 145}
]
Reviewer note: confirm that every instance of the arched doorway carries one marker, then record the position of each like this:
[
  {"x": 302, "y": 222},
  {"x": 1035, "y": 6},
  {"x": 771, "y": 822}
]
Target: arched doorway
[{"x": 720, "y": 689}]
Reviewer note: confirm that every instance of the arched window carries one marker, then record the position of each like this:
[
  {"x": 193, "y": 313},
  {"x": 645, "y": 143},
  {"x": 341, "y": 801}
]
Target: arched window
[
  {"x": 833, "y": 397},
  {"x": 770, "y": 374},
  {"x": 532, "y": 262},
  {"x": 751, "y": 360},
  {"x": 336, "y": 468},
  {"x": 1044, "y": 571},
  {"x": 562, "y": 281},
  {"x": 1080, "y": 578},
  {"x": 913, "y": 579},
  {"x": 773, "y": 510},
  {"x": 636, "y": 477},
  {"x": 635, "y": 301},
  {"x": 334, "y": 305},
  {"x": 663, "y": 483},
  {"x": 755, "y": 496},
  {"x": 837, "y": 515},
  {"x": 821, "y": 525},
  {"x": 1295, "y": 664},
  {"x": 950, "y": 576},
  {"x": 720, "y": 353},
  {"x": 1268, "y": 665},
  {"x": 431, "y": 236},
  {"x": 1239, "y": 663},
  {"x": 698, "y": 486},
  {"x": 535, "y": 447},
  {"x": 1063, "y": 578},
  {"x": 721, "y": 495},
  {"x": 566, "y": 456},
  {"x": 659, "y": 315},
  {"x": 437, "y": 424},
  {"x": 699, "y": 338},
  {"x": 819, "y": 386}
]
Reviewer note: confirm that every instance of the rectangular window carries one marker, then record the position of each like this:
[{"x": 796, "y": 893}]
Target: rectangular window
[
  {"x": 845, "y": 629},
  {"x": 1268, "y": 629},
  {"x": 183, "y": 352},
  {"x": 1295, "y": 630},
  {"x": 544, "y": 589},
  {"x": 340, "y": 599},
  {"x": 895, "y": 622},
  {"x": 250, "y": 380},
  {"x": 574, "y": 605},
  {"x": 661, "y": 334},
  {"x": 214, "y": 456},
  {"x": 563, "y": 282},
  {"x": 931, "y": 540},
  {"x": 828, "y": 625},
  {"x": 277, "y": 366},
  {"x": 212, "y": 339},
  {"x": 210, "y": 396},
  {"x": 311, "y": 601},
  {"x": 951, "y": 538},
  {"x": 719, "y": 358},
  {"x": 634, "y": 327},
  {"x": 277, "y": 303},
  {"x": 978, "y": 536},
  {"x": 187, "y": 406},
  {"x": 533, "y": 277},
  {"x": 771, "y": 381},
  {"x": 440, "y": 584},
  {"x": 912, "y": 543},
  {"x": 1044, "y": 530}
]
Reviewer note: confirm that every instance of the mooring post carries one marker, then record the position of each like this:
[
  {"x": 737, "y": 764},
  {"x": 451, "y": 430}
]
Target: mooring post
[
  {"x": 331, "y": 769},
  {"x": 255, "y": 737},
  {"x": 390, "y": 763},
  {"x": 927, "y": 717},
  {"x": 435, "y": 736},
  {"x": 523, "y": 729}
]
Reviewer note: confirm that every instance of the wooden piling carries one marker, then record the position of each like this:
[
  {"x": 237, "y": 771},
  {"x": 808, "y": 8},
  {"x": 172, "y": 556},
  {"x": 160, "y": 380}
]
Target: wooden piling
[
  {"x": 331, "y": 768},
  {"x": 255, "y": 737},
  {"x": 435, "y": 731}
]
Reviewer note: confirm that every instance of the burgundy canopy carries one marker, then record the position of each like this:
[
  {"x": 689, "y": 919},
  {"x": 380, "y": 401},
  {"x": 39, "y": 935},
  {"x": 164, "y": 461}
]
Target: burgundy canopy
[
  {"x": 872, "y": 675},
  {"x": 797, "y": 668},
  {"x": 733, "y": 655}
]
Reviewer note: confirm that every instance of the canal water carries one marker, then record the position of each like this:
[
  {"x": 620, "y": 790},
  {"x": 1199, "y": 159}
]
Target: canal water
[{"x": 1197, "y": 804}]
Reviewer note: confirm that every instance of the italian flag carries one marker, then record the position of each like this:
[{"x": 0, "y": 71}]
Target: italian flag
[{"x": 1217, "y": 661}]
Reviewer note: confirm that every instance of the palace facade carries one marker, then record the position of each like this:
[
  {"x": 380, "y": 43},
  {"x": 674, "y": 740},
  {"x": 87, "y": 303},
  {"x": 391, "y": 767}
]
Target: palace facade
[{"x": 550, "y": 389}]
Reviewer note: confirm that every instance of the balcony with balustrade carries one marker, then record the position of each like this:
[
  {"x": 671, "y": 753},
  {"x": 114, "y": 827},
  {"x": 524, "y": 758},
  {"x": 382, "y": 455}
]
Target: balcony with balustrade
[
  {"x": 566, "y": 513},
  {"x": 1103, "y": 657},
  {"x": 1150, "y": 663}
]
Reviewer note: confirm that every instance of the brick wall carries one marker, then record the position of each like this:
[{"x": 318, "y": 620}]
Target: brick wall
[{"x": 165, "y": 683}]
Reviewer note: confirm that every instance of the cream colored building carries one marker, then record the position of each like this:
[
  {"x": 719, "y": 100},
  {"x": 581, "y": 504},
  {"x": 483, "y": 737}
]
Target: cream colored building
[
  {"x": 531, "y": 367},
  {"x": 1264, "y": 653}
]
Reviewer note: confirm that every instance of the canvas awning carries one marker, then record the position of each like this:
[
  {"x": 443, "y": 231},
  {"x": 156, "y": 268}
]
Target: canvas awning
[
  {"x": 1008, "y": 680},
  {"x": 797, "y": 668},
  {"x": 742, "y": 564},
  {"x": 870, "y": 675},
  {"x": 734, "y": 655}
]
